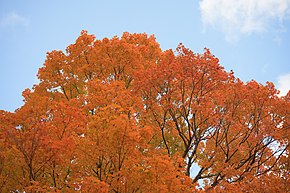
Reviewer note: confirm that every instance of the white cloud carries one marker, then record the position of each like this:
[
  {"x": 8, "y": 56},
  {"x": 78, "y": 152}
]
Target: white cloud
[
  {"x": 284, "y": 84},
  {"x": 237, "y": 17},
  {"x": 13, "y": 19}
]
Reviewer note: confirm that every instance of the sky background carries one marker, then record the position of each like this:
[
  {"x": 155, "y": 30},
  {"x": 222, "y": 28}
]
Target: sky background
[{"x": 250, "y": 37}]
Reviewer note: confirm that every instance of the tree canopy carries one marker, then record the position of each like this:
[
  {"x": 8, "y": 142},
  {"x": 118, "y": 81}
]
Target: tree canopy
[{"x": 122, "y": 115}]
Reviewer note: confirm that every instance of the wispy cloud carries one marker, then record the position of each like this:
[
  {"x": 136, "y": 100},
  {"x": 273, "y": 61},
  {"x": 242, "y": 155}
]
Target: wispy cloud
[
  {"x": 13, "y": 19},
  {"x": 239, "y": 17},
  {"x": 284, "y": 84}
]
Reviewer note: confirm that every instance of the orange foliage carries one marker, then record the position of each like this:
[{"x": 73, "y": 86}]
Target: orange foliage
[{"x": 121, "y": 115}]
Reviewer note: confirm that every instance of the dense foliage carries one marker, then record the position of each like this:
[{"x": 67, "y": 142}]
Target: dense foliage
[{"x": 121, "y": 115}]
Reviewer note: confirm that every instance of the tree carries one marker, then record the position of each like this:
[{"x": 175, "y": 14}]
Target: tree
[{"x": 121, "y": 115}]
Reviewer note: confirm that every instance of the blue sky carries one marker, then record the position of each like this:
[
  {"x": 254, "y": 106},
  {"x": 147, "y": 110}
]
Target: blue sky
[{"x": 250, "y": 37}]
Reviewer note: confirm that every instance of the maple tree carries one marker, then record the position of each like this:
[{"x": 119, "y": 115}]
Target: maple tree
[{"x": 121, "y": 115}]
